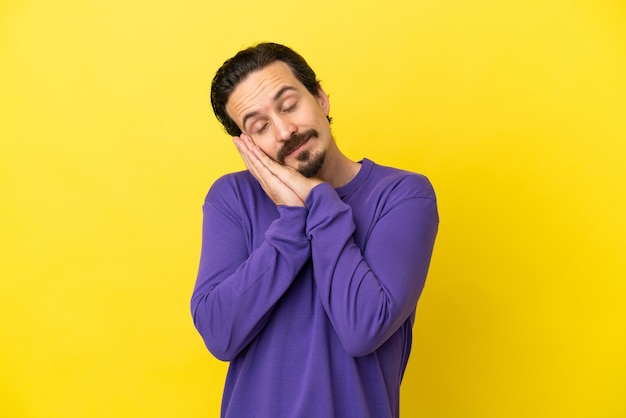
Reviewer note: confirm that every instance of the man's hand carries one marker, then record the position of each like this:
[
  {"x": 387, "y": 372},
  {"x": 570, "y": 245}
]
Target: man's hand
[{"x": 284, "y": 185}]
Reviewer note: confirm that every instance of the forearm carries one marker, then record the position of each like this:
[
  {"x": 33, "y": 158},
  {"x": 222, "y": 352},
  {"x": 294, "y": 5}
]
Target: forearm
[
  {"x": 369, "y": 294},
  {"x": 237, "y": 288}
]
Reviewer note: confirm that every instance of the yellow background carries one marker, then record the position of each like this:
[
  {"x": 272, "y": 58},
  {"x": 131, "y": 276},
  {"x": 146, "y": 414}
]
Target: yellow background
[{"x": 515, "y": 109}]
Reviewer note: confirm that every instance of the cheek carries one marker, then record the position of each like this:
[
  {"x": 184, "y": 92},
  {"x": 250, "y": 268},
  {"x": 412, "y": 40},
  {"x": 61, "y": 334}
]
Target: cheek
[{"x": 266, "y": 145}]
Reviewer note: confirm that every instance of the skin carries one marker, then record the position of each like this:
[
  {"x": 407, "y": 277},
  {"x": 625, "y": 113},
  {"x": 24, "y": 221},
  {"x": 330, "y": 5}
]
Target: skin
[{"x": 270, "y": 106}]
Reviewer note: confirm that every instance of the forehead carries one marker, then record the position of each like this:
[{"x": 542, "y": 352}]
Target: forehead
[{"x": 259, "y": 88}]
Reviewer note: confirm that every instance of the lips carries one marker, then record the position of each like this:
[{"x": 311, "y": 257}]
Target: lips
[{"x": 300, "y": 146}]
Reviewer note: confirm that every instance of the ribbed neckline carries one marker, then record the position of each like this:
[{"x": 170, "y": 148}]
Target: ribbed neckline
[{"x": 361, "y": 176}]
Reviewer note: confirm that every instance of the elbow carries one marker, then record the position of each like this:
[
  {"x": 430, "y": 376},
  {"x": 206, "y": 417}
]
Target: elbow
[
  {"x": 219, "y": 346},
  {"x": 360, "y": 350},
  {"x": 359, "y": 344},
  {"x": 218, "y": 343},
  {"x": 221, "y": 353},
  {"x": 365, "y": 338}
]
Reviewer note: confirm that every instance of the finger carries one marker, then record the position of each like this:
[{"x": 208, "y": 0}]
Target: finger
[
  {"x": 258, "y": 169},
  {"x": 256, "y": 155},
  {"x": 241, "y": 148},
  {"x": 249, "y": 159},
  {"x": 289, "y": 176},
  {"x": 257, "y": 163},
  {"x": 269, "y": 163}
]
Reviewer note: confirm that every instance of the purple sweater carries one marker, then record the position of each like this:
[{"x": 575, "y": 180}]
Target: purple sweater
[{"x": 314, "y": 306}]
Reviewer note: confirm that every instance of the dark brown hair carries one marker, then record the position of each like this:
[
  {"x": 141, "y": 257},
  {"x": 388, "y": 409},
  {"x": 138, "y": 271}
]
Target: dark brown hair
[{"x": 247, "y": 61}]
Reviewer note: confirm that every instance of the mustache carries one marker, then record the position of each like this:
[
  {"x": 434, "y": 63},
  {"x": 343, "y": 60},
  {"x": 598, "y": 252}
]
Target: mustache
[{"x": 294, "y": 142}]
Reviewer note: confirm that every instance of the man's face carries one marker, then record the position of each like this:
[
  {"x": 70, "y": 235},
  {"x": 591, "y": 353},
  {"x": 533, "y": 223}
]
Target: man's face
[{"x": 283, "y": 118}]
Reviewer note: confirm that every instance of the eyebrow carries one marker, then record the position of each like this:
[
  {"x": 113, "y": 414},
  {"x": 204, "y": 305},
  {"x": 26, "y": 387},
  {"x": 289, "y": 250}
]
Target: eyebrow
[{"x": 277, "y": 96}]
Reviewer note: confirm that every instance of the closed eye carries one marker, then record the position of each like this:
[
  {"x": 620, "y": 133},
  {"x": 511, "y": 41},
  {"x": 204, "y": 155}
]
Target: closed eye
[
  {"x": 262, "y": 128},
  {"x": 290, "y": 108}
]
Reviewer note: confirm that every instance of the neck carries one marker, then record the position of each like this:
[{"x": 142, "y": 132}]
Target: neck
[{"x": 338, "y": 169}]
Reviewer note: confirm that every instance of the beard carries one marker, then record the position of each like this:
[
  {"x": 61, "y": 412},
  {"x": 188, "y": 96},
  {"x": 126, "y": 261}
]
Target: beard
[{"x": 309, "y": 164}]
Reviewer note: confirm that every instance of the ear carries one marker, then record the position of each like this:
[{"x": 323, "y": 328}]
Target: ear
[{"x": 322, "y": 100}]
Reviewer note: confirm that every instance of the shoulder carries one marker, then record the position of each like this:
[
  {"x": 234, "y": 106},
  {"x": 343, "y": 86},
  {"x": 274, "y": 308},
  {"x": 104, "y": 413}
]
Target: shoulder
[
  {"x": 399, "y": 183},
  {"x": 237, "y": 186}
]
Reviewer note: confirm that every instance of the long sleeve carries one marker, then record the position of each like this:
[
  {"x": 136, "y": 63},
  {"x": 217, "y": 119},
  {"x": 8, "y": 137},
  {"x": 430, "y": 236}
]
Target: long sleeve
[
  {"x": 369, "y": 293},
  {"x": 313, "y": 307},
  {"x": 242, "y": 275}
]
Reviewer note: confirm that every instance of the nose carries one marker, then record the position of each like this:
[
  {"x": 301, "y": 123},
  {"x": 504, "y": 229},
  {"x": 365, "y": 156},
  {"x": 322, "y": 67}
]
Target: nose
[{"x": 284, "y": 128}]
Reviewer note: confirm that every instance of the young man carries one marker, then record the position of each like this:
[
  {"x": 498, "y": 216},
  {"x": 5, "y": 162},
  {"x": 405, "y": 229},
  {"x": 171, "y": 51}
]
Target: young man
[{"x": 312, "y": 264}]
